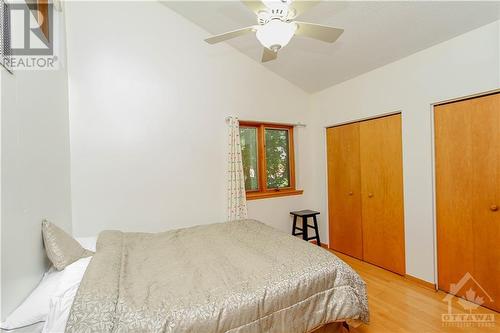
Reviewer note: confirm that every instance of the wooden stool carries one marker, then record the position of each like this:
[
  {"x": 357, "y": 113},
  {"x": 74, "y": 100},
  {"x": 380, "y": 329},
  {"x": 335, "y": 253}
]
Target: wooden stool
[{"x": 305, "y": 214}]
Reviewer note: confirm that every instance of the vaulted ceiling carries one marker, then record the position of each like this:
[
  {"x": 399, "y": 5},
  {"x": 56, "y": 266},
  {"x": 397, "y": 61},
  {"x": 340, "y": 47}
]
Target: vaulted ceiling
[{"x": 376, "y": 33}]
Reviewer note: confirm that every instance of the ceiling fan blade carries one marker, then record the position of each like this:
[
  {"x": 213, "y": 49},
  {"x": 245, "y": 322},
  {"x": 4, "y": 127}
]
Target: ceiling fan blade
[
  {"x": 269, "y": 55},
  {"x": 229, "y": 35},
  {"x": 254, "y": 5},
  {"x": 318, "y": 31},
  {"x": 302, "y": 6}
]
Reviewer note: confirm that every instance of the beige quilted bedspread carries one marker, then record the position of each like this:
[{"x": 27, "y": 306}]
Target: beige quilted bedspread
[{"x": 240, "y": 276}]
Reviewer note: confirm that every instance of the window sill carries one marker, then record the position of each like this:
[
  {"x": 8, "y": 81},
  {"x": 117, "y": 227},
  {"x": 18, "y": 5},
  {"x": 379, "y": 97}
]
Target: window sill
[{"x": 272, "y": 194}]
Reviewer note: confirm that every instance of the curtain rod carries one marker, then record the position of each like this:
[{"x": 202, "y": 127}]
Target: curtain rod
[{"x": 299, "y": 124}]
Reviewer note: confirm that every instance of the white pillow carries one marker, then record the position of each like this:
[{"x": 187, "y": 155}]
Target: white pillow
[
  {"x": 35, "y": 328},
  {"x": 40, "y": 303},
  {"x": 88, "y": 243},
  {"x": 35, "y": 307},
  {"x": 62, "y": 300}
]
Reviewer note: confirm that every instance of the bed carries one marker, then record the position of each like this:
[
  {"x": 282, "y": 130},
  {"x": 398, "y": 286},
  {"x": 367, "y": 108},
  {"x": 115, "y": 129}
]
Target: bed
[{"x": 240, "y": 276}]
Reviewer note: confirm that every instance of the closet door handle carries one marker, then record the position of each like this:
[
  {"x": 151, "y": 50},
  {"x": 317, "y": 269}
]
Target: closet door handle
[
  {"x": 493, "y": 208},
  {"x": 350, "y": 193},
  {"x": 370, "y": 195}
]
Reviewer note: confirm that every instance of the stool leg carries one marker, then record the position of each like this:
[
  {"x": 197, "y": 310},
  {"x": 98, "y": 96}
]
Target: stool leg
[
  {"x": 294, "y": 224},
  {"x": 316, "y": 229},
  {"x": 304, "y": 228}
]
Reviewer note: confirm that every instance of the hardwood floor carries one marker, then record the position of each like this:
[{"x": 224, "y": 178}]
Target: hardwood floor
[{"x": 399, "y": 305}]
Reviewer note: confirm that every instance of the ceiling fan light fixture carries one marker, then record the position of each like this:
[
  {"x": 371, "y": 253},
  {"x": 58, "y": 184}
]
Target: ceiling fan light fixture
[
  {"x": 276, "y": 26},
  {"x": 276, "y": 3},
  {"x": 276, "y": 34}
]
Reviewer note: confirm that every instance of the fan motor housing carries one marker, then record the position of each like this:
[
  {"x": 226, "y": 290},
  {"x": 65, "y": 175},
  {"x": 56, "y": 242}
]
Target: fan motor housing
[{"x": 279, "y": 12}]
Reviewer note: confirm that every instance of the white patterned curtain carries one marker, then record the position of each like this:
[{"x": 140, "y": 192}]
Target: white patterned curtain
[{"x": 236, "y": 196}]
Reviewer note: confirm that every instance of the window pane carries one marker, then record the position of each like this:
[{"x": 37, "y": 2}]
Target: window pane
[
  {"x": 277, "y": 158},
  {"x": 249, "y": 153}
]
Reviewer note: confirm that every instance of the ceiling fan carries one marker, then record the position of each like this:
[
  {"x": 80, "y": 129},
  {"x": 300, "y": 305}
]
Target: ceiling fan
[{"x": 276, "y": 26}]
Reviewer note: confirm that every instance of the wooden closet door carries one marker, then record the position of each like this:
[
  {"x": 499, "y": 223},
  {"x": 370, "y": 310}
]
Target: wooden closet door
[
  {"x": 453, "y": 164},
  {"x": 382, "y": 193},
  {"x": 467, "y": 135},
  {"x": 344, "y": 189},
  {"x": 486, "y": 196}
]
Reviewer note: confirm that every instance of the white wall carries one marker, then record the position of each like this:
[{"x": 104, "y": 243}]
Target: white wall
[
  {"x": 148, "y": 99},
  {"x": 465, "y": 65},
  {"x": 35, "y": 172}
]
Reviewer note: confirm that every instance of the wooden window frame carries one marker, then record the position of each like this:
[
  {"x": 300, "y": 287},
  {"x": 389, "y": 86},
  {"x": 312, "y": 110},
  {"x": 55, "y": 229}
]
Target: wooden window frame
[
  {"x": 44, "y": 17},
  {"x": 41, "y": 14},
  {"x": 263, "y": 192}
]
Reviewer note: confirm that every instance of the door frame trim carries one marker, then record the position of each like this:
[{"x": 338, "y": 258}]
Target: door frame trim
[{"x": 433, "y": 166}]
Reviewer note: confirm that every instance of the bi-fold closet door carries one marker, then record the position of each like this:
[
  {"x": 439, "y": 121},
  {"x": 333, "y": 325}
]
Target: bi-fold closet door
[{"x": 365, "y": 191}]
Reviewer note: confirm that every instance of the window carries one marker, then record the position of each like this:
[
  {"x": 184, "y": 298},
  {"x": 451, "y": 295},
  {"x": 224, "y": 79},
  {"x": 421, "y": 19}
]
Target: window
[
  {"x": 42, "y": 14},
  {"x": 268, "y": 160}
]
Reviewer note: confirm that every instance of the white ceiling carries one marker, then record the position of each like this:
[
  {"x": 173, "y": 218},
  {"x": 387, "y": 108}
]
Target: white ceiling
[{"x": 376, "y": 33}]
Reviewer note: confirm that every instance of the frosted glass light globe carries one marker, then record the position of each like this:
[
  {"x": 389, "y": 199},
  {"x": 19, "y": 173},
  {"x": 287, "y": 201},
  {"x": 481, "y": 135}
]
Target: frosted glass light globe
[{"x": 276, "y": 34}]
